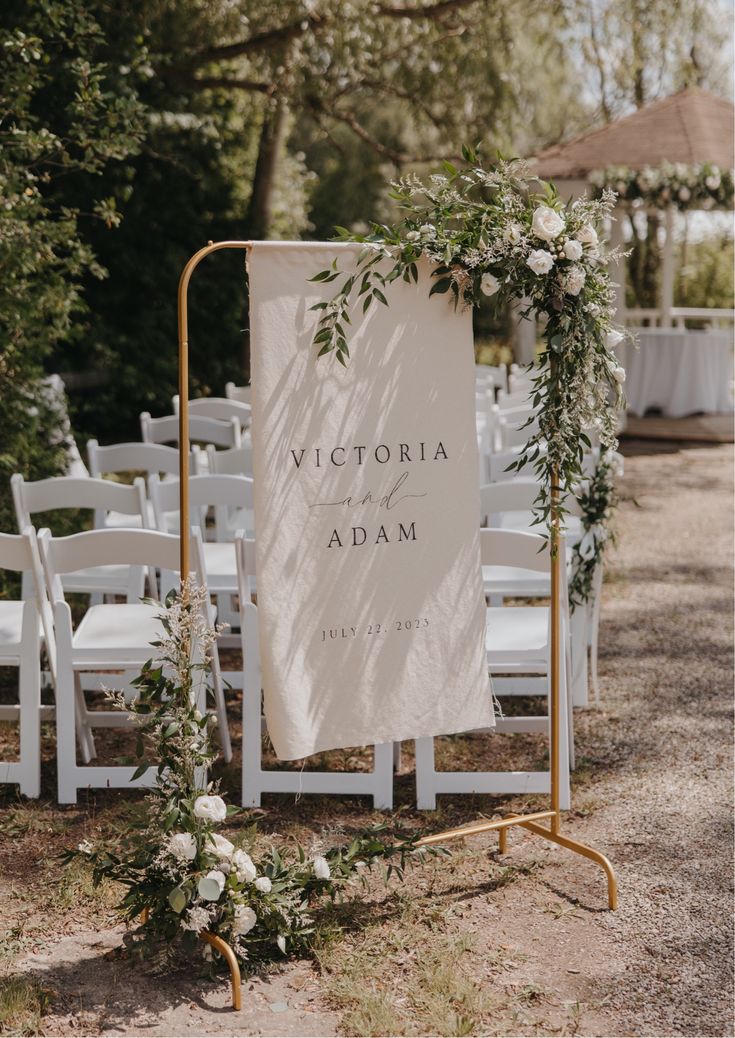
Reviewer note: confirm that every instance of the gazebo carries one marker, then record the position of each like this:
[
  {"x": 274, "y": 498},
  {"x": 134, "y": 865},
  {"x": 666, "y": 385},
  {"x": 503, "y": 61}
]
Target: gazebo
[
  {"x": 674, "y": 154},
  {"x": 690, "y": 130}
]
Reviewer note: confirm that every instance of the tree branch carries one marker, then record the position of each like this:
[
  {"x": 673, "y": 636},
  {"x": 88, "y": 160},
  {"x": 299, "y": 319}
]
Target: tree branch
[
  {"x": 260, "y": 41},
  {"x": 399, "y": 158},
  {"x": 226, "y": 83}
]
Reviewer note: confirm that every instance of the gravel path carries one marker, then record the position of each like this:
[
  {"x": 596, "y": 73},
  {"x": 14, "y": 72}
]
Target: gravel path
[{"x": 543, "y": 956}]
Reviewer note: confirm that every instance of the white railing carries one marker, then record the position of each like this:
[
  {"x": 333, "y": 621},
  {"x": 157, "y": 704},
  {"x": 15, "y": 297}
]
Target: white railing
[{"x": 654, "y": 317}]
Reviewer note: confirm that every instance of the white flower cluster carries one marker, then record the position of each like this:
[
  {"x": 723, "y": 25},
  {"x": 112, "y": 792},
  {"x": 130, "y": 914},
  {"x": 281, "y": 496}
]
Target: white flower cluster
[{"x": 703, "y": 185}]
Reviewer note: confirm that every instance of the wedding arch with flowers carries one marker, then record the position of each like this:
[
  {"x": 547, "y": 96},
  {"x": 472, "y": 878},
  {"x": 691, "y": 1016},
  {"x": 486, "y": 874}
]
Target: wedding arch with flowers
[
  {"x": 498, "y": 231},
  {"x": 704, "y": 186}
]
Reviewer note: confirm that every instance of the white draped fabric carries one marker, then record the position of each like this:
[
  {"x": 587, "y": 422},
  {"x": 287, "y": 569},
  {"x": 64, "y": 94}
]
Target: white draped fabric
[
  {"x": 679, "y": 372},
  {"x": 370, "y": 595}
]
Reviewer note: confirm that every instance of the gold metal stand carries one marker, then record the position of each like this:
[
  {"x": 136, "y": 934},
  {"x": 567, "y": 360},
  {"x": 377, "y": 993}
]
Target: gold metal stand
[{"x": 529, "y": 822}]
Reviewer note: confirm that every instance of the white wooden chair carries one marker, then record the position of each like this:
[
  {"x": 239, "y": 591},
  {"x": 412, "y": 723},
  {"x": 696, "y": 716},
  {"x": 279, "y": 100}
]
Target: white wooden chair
[
  {"x": 235, "y": 462},
  {"x": 114, "y": 637},
  {"x": 508, "y": 505},
  {"x": 497, "y": 374},
  {"x": 518, "y": 642},
  {"x": 145, "y": 458},
  {"x": 218, "y": 407},
  {"x": 20, "y": 646},
  {"x": 231, "y": 499},
  {"x": 241, "y": 393},
  {"x": 256, "y": 780},
  {"x": 102, "y": 496},
  {"x": 202, "y": 429}
]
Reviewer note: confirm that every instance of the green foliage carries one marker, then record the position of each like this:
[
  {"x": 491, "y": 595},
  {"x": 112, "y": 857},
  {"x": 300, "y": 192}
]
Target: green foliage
[
  {"x": 179, "y": 870},
  {"x": 705, "y": 273},
  {"x": 598, "y": 500},
  {"x": 485, "y": 232},
  {"x": 65, "y": 113}
]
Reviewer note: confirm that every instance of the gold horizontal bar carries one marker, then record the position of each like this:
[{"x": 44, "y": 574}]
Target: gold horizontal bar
[{"x": 482, "y": 827}]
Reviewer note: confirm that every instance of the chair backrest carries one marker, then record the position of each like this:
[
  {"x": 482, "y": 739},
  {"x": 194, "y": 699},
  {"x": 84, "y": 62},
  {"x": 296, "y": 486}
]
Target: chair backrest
[
  {"x": 512, "y": 435},
  {"x": 19, "y": 552},
  {"x": 235, "y": 462},
  {"x": 241, "y": 393},
  {"x": 217, "y": 407},
  {"x": 221, "y": 433},
  {"x": 220, "y": 492},
  {"x": 245, "y": 554},
  {"x": 60, "y": 492},
  {"x": 146, "y": 548},
  {"x": 516, "y": 549},
  {"x": 132, "y": 457},
  {"x": 508, "y": 495},
  {"x": 494, "y": 374},
  {"x": 521, "y": 398}
]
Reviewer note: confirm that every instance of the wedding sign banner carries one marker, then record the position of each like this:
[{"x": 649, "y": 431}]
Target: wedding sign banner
[{"x": 370, "y": 595}]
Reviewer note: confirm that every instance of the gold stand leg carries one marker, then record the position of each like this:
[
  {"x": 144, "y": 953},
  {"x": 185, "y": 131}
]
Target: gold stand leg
[
  {"x": 585, "y": 851},
  {"x": 503, "y": 841},
  {"x": 229, "y": 956}
]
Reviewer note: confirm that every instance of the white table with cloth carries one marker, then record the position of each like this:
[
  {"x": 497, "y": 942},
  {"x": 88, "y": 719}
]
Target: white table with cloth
[{"x": 679, "y": 372}]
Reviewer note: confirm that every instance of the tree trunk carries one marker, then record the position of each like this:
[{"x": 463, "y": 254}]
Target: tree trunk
[{"x": 272, "y": 135}]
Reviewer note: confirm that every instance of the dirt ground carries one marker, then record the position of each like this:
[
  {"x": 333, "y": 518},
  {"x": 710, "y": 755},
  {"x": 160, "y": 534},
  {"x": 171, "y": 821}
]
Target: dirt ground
[{"x": 482, "y": 945}]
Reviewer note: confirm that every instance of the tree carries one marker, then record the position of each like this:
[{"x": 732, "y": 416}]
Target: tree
[{"x": 64, "y": 112}]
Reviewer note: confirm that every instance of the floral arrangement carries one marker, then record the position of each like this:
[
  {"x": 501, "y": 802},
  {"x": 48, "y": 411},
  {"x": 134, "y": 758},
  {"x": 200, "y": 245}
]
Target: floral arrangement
[
  {"x": 703, "y": 186},
  {"x": 598, "y": 500},
  {"x": 490, "y": 232},
  {"x": 183, "y": 876}
]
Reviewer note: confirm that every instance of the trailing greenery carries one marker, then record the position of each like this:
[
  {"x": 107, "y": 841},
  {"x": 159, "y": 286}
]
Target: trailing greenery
[
  {"x": 704, "y": 186},
  {"x": 180, "y": 870},
  {"x": 597, "y": 498},
  {"x": 487, "y": 231}
]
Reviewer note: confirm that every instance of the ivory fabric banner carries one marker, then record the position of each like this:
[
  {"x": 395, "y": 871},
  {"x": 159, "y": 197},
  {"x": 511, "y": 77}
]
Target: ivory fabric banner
[{"x": 370, "y": 595}]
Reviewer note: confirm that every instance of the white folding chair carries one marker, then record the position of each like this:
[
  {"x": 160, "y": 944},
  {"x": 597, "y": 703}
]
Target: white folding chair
[
  {"x": 231, "y": 499},
  {"x": 20, "y": 646},
  {"x": 217, "y": 407},
  {"x": 222, "y": 433},
  {"x": 256, "y": 780},
  {"x": 235, "y": 462},
  {"x": 518, "y": 642},
  {"x": 145, "y": 458},
  {"x": 510, "y": 401},
  {"x": 102, "y": 496},
  {"x": 108, "y": 638},
  {"x": 241, "y": 393},
  {"x": 497, "y": 374}
]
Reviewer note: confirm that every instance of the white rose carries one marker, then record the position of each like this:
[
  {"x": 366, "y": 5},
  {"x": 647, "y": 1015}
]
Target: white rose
[
  {"x": 242, "y": 863},
  {"x": 489, "y": 284},
  {"x": 413, "y": 236},
  {"x": 573, "y": 249},
  {"x": 321, "y": 867},
  {"x": 263, "y": 884},
  {"x": 182, "y": 846},
  {"x": 619, "y": 375},
  {"x": 684, "y": 194},
  {"x": 547, "y": 224},
  {"x": 203, "y": 888},
  {"x": 587, "y": 235},
  {"x": 428, "y": 230},
  {"x": 513, "y": 233},
  {"x": 540, "y": 261},
  {"x": 617, "y": 463},
  {"x": 712, "y": 182},
  {"x": 244, "y": 920},
  {"x": 210, "y": 809},
  {"x": 573, "y": 281},
  {"x": 613, "y": 337},
  {"x": 220, "y": 846}
]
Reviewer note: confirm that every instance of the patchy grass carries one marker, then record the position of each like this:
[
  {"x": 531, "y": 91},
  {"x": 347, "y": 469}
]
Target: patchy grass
[{"x": 22, "y": 1004}]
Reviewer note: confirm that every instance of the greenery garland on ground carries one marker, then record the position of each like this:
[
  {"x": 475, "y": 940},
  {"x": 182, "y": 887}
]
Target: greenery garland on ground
[
  {"x": 703, "y": 186},
  {"x": 492, "y": 232},
  {"x": 180, "y": 869}
]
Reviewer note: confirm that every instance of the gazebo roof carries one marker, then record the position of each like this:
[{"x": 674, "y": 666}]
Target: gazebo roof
[{"x": 692, "y": 127}]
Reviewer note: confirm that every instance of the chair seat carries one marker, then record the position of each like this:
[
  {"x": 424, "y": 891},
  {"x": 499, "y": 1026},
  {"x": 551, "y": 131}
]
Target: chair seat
[
  {"x": 117, "y": 633},
  {"x": 517, "y": 635},
  {"x": 513, "y": 581},
  {"x": 11, "y": 626}
]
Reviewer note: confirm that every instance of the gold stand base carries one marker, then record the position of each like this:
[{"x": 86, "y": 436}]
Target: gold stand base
[
  {"x": 531, "y": 823},
  {"x": 225, "y": 951}
]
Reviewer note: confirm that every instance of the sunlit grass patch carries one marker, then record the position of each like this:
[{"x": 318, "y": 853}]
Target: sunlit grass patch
[{"x": 22, "y": 1004}]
